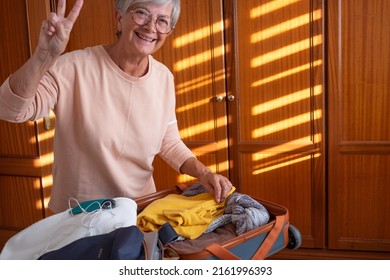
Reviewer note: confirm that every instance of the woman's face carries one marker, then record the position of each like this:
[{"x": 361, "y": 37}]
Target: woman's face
[{"x": 143, "y": 40}]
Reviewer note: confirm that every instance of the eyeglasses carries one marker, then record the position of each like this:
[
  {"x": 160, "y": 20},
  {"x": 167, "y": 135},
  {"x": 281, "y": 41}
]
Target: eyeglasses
[{"x": 143, "y": 17}]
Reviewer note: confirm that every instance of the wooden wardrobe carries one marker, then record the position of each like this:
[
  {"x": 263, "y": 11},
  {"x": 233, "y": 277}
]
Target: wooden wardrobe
[{"x": 287, "y": 98}]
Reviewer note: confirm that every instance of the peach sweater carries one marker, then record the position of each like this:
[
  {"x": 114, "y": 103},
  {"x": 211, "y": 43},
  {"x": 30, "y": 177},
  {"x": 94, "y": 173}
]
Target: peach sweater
[{"x": 109, "y": 126}]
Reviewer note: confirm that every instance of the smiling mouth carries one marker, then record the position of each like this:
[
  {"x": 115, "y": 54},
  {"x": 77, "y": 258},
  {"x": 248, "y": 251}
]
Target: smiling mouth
[{"x": 149, "y": 40}]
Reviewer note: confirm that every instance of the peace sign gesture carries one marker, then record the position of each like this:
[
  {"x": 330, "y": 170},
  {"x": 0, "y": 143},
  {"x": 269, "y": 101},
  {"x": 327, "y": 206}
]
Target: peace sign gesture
[{"x": 55, "y": 30}]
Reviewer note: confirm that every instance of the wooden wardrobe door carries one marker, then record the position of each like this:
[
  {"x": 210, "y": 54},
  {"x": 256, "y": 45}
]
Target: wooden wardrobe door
[
  {"x": 194, "y": 52},
  {"x": 275, "y": 70},
  {"x": 94, "y": 26},
  {"x": 22, "y": 182},
  {"x": 359, "y": 134}
]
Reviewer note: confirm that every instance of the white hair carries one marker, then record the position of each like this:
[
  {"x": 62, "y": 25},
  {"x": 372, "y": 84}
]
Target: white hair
[{"x": 124, "y": 5}]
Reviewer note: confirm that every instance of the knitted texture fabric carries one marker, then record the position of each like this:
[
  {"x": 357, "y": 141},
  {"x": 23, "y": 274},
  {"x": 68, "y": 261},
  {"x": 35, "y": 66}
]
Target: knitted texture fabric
[
  {"x": 219, "y": 222},
  {"x": 247, "y": 213},
  {"x": 194, "y": 189},
  {"x": 244, "y": 212}
]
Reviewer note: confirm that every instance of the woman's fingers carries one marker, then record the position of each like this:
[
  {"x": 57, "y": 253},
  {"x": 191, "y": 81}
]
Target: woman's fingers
[
  {"x": 61, "y": 8},
  {"x": 74, "y": 13},
  {"x": 217, "y": 184}
]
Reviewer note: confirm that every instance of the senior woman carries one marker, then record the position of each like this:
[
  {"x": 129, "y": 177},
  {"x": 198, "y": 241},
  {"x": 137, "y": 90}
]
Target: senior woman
[{"x": 114, "y": 105}]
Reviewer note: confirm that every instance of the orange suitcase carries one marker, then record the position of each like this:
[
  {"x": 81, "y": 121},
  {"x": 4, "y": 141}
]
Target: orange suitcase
[{"x": 255, "y": 244}]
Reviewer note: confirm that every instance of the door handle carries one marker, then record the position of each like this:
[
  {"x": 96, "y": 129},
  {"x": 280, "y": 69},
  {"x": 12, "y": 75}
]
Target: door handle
[
  {"x": 219, "y": 98},
  {"x": 231, "y": 98}
]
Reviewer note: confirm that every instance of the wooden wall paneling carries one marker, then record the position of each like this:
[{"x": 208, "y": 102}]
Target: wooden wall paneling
[
  {"x": 37, "y": 13},
  {"x": 20, "y": 204},
  {"x": 13, "y": 26},
  {"x": 276, "y": 74},
  {"x": 20, "y": 154},
  {"x": 16, "y": 139},
  {"x": 20, "y": 201},
  {"x": 194, "y": 52},
  {"x": 359, "y": 138},
  {"x": 94, "y": 26}
]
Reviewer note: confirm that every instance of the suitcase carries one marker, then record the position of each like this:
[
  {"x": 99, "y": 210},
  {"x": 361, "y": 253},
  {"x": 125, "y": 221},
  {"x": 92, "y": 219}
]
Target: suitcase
[{"x": 255, "y": 244}]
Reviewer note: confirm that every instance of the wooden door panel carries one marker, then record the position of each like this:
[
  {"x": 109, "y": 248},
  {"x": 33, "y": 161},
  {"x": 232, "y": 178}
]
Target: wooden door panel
[
  {"x": 14, "y": 31},
  {"x": 18, "y": 139},
  {"x": 359, "y": 137},
  {"x": 21, "y": 204},
  {"x": 194, "y": 52},
  {"x": 270, "y": 175},
  {"x": 277, "y": 117},
  {"x": 95, "y": 24},
  {"x": 364, "y": 82},
  {"x": 14, "y": 52},
  {"x": 275, "y": 90},
  {"x": 21, "y": 200},
  {"x": 358, "y": 203}
]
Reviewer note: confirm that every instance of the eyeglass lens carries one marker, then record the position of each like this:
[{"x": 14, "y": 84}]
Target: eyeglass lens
[{"x": 143, "y": 17}]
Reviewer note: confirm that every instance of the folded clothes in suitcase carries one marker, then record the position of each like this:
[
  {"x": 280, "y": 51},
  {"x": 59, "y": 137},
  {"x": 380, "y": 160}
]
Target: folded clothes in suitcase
[
  {"x": 95, "y": 233},
  {"x": 224, "y": 243}
]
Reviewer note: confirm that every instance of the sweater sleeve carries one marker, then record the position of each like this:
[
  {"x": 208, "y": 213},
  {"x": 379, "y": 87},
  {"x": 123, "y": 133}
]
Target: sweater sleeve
[
  {"x": 173, "y": 150},
  {"x": 14, "y": 108}
]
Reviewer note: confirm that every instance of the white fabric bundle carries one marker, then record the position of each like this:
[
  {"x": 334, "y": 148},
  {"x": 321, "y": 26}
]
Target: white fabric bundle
[{"x": 59, "y": 230}]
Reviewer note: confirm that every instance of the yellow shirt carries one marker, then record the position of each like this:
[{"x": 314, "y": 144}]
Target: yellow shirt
[{"x": 189, "y": 216}]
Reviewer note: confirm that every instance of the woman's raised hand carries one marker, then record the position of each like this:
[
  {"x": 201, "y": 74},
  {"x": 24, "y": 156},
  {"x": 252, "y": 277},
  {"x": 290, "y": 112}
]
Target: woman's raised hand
[{"x": 55, "y": 30}]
